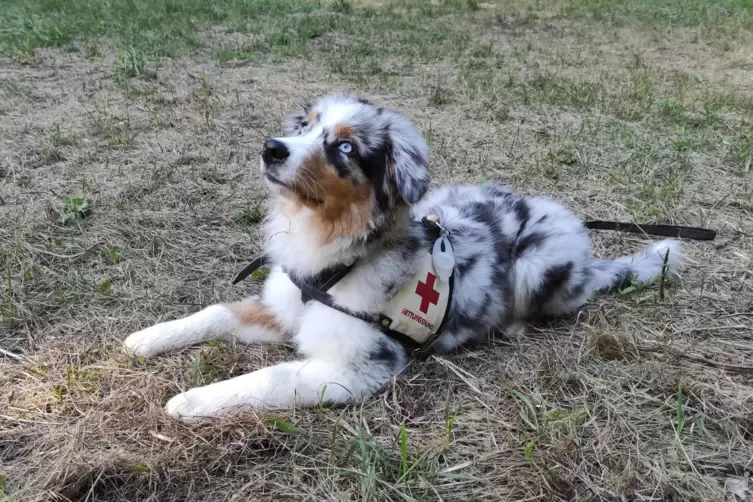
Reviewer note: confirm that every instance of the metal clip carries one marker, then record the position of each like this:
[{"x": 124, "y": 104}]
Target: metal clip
[{"x": 432, "y": 220}]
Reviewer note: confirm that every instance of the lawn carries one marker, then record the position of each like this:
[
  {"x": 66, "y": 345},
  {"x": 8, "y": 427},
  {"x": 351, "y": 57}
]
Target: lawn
[{"x": 129, "y": 194}]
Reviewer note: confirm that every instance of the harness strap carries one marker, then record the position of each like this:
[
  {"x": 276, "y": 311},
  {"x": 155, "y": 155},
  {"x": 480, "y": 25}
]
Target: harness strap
[
  {"x": 318, "y": 291},
  {"x": 249, "y": 269},
  {"x": 379, "y": 321},
  {"x": 680, "y": 232}
]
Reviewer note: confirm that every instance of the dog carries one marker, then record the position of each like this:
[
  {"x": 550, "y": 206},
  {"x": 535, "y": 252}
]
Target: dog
[{"x": 349, "y": 182}]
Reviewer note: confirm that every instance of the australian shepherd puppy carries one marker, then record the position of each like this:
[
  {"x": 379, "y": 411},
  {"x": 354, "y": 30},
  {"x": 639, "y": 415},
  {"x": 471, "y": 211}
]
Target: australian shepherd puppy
[{"x": 348, "y": 180}]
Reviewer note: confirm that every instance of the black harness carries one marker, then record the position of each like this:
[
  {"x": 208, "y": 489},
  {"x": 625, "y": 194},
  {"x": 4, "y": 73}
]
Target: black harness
[{"x": 317, "y": 287}]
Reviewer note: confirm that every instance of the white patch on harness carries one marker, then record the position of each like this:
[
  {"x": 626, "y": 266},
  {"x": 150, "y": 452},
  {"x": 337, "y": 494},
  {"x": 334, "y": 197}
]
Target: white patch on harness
[{"x": 418, "y": 308}]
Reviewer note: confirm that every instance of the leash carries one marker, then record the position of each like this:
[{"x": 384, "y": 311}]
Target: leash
[{"x": 676, "y": 231}]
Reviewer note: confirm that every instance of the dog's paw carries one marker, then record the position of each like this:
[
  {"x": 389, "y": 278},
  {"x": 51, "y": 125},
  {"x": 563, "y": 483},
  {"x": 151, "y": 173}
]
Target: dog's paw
[
  {"x": 516, "y": 329},
  {"x": 147, "y": 342},
  {"x": 192, "y": 406}
]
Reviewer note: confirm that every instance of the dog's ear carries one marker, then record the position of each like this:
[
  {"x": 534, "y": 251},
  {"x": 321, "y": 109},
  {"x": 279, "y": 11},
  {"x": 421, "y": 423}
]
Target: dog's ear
[
  {"x": 409, "y": 159},
  {"x": 295, "y": 122}
]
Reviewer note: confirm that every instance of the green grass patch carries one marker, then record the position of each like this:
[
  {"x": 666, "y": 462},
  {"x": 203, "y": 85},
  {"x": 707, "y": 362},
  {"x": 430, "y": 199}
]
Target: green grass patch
[
  {"x": 250, "y": 217},
  {"x": 112, "y": 255},
  {"x": 227, "y": 54},
  {"x": 148, "y": 29},
  {"x": 557, "y": 90},
  {"x": 74, "y": 209},
  {"x": 727, "y": 17}
]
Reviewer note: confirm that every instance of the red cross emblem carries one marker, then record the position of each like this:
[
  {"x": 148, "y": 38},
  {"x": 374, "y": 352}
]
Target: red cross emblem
[{"x": 427, "y": 293}]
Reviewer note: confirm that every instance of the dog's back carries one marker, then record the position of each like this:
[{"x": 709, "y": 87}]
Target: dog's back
[{"x": 520, "y": 257}]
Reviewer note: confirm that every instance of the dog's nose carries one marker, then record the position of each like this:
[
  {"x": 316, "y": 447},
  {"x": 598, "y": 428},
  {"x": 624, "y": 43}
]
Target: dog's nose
[{"x": 274, "y": 151}]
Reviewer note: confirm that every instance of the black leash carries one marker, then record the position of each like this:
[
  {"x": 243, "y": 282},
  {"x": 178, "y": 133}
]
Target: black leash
[{"x": 676, "y": 231}]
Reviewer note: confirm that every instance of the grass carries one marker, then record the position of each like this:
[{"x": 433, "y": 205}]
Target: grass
[
  {"x": 622, "y": 110},
  {"x": 233, "y": 54},
  {"x": 250, "y": 217},
  {"x": 74, "y": 209}
]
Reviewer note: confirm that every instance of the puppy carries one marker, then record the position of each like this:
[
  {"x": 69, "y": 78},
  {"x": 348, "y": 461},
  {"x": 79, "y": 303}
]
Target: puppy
[{"x": 347, "y": 183}]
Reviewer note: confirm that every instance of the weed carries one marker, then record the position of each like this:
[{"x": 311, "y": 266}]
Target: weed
[
  {"x": 259, "y": 274},
  {"x": 116, "y": 130},
  {"x": 55, "y": 148},
  {"x": 681, "y": 144},
  {"x": 379, "y": 468},
  {"x": 564, "y": 155},
  {"x": 92, "y": 50},
  {"x": 250, "y": 217},
  {"x": 528, "y": 412},
  {"x": 112, "y": 255},
  {"x": 4, "y": 497},
  {"x": 679, "y": 411},
  {"x": 74, "y": 210},
  {"x": 60, "y": 139},
  {"x": 440, "y": 96},
  {"x": 553, "y": 89},
  {"x": 104, "y": 287},
  {"x": 282, "y": 425},
  {"x": 321, "y": 398},
  {"x": 403, "y": 435},
  {"x": 131, "y": 63},
  {"x": 196, "y": 373},
  {"x": 449, "y": 425},
  {"x": 228, "y": 53},
  {"x": 742, "y": 149},
  {"x": 206, "y": 99},
  {"x": 211, "y": 364},
  {"x": 8, "y": 309},
  {"x": 528, "y": 451}
]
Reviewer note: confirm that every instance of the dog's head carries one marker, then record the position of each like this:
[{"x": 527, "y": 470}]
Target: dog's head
[{"x": 352, "y": 163}]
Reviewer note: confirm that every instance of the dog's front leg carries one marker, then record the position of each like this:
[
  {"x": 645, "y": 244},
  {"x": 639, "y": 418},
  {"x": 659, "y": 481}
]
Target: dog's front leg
[
  {"x": 270, "y": 318},
  {"x": 302, "y": 383},
  {"x": 248, "y": 322}
]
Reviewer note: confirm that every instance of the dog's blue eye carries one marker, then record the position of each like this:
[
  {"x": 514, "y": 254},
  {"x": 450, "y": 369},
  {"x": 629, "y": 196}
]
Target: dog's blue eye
[{"x": 346, "y": 148}]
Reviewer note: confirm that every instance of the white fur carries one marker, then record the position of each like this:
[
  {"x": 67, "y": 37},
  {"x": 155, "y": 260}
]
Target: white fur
[{"x": 214, "y": 321}]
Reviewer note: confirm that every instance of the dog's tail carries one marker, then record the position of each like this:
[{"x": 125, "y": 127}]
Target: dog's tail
[{"x": 644, "y": 267}]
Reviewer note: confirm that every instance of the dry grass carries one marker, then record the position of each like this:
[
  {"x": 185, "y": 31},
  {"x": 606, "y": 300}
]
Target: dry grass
[{"x": 128, "y": 195}]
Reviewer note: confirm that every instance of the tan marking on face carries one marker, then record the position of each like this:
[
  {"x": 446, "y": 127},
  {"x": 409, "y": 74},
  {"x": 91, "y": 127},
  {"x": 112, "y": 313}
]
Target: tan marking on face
[
  {"x": 345, "y": 209},
  {"x": 344, "y": 131},
  {"x": 312, "y": 117},
  {"x": 255, "y": 314}
]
